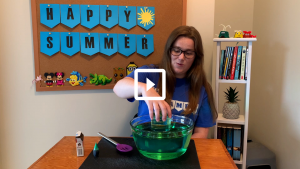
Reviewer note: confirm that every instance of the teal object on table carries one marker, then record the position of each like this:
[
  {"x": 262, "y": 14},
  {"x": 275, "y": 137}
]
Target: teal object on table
[{"x": 96, "y": 150}]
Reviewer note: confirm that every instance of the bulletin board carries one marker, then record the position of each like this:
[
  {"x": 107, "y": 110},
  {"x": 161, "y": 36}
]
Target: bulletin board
[{"x": 169, "y": 14}]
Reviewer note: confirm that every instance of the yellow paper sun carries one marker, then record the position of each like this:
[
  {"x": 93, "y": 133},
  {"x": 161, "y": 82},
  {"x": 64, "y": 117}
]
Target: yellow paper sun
[{"x": 146, "y": 17}]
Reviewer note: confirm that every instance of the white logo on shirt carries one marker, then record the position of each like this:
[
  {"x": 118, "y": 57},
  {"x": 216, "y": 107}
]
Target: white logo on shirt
[{"x": 179, "y": 105}]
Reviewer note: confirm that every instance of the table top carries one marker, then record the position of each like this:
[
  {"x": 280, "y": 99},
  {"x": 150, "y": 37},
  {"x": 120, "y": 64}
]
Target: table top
[{"x": 211, "y": 154}]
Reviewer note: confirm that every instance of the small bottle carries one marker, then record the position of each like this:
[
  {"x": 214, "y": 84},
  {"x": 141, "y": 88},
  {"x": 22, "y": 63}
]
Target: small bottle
[
  {"x": 160, "y": 125},
  {"x": 96, "y": 150}
]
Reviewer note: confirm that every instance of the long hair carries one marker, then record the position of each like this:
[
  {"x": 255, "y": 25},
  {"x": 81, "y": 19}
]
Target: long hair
[{"x": 195, "y": 75}]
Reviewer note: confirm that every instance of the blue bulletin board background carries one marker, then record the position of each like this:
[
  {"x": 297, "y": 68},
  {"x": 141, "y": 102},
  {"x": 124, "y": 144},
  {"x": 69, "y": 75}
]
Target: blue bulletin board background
[{"x": 169, "y": 14}]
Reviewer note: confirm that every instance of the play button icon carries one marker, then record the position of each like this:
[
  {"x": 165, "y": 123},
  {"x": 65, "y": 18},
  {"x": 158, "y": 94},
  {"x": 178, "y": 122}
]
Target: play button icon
[{"x": 150, "y": 84}]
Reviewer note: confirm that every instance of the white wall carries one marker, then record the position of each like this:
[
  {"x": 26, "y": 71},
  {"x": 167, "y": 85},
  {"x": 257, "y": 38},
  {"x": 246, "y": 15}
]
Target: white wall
[
  {"x": 32, "y": 122},
  {"x": 201, "y": 16},
  {"x": 274, "y": 101}
]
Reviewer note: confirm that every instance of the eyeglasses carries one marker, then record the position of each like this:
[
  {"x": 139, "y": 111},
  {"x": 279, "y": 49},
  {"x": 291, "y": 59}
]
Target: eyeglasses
[{"x": 177, "y": 51}]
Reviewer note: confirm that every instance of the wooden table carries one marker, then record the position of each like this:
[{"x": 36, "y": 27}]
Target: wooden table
[{"x": 211, "y": 153}]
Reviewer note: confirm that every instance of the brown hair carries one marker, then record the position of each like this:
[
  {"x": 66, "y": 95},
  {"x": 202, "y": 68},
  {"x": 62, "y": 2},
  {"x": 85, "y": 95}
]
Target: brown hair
[{"x": 195, "y": 75}]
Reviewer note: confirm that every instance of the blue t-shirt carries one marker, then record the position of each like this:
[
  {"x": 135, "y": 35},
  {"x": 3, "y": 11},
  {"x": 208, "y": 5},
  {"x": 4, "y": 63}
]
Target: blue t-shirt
[{"x": 202, "y": 117}]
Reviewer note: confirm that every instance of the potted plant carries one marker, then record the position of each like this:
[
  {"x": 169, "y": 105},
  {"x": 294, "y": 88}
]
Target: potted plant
[{"x": 231, "y": 109}]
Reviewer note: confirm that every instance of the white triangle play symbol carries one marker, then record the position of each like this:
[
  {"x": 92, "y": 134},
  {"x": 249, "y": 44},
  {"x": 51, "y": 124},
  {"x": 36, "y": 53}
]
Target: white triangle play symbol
[{"x": 149, "y": 83}]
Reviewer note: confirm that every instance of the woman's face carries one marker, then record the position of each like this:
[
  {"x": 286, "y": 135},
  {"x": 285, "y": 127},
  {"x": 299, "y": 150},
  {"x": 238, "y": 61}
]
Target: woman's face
[{"x": 182, "y": 56}]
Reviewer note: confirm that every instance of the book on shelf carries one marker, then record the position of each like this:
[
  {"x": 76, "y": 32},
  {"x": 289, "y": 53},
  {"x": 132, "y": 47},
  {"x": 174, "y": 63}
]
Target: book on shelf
[
  {"x": 228, "y": 73},
  {"x": 224, "y": 138},
  {"x": 242, "y": 140},
  {"x": 243, "y": 63},
  {"x": 229, "y": 140},
  {"x": 235, "y": 52},
  {"x": 238, "y": 64},
  {"x": 236, "y": 154},
  {"x": 226, "y": 62},
  {"x": 221, "y": 64},
  {"x": 246, "y": 65}
]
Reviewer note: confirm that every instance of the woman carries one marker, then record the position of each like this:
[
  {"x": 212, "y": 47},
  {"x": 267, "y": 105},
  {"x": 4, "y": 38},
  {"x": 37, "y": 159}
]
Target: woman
[{"x": 187, "y": 90}]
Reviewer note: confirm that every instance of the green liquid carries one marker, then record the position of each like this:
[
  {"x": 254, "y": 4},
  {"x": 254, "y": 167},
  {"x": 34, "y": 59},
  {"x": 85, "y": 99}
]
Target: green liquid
[
  {"x": 159, "y": 148},
  {"x": 161, "y": 125}
]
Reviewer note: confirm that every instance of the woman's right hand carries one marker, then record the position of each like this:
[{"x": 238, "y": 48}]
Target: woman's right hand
[
  {"x": 125, "y": 89},
  {"x": 157, "y": 105}
]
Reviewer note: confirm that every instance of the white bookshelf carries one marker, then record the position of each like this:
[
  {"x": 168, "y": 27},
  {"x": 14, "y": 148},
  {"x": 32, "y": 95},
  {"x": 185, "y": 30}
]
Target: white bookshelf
[
  {"x": 239, "y": 162},
  {"x": 239, "y": 121},
  {"x": 231, "y": 81},
  {"x": 243, "y": 119}
]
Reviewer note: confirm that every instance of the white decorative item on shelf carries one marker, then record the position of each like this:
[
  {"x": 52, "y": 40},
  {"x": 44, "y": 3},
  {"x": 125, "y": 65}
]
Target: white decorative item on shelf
[
  {"x": 243, "y": 118},
  {"x": 231, "y": 109}
]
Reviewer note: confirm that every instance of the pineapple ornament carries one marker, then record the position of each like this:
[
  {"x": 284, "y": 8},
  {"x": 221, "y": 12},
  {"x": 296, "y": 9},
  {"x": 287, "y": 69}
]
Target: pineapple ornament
[{"x": 231, "y": 109}]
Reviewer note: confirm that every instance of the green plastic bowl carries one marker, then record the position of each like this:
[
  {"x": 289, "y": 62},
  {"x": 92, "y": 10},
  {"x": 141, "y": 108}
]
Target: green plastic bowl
[{"x": 165, "y": 144}]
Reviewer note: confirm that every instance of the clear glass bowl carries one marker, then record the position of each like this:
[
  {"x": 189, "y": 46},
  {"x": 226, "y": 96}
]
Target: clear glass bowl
[{"x": 162, "y": 145}]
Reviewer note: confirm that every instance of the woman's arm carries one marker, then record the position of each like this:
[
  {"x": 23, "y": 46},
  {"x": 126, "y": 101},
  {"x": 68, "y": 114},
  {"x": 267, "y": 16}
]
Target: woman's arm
[
  {"x": 200, "y": 132},
  {"x": 125, "y": 88}
]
